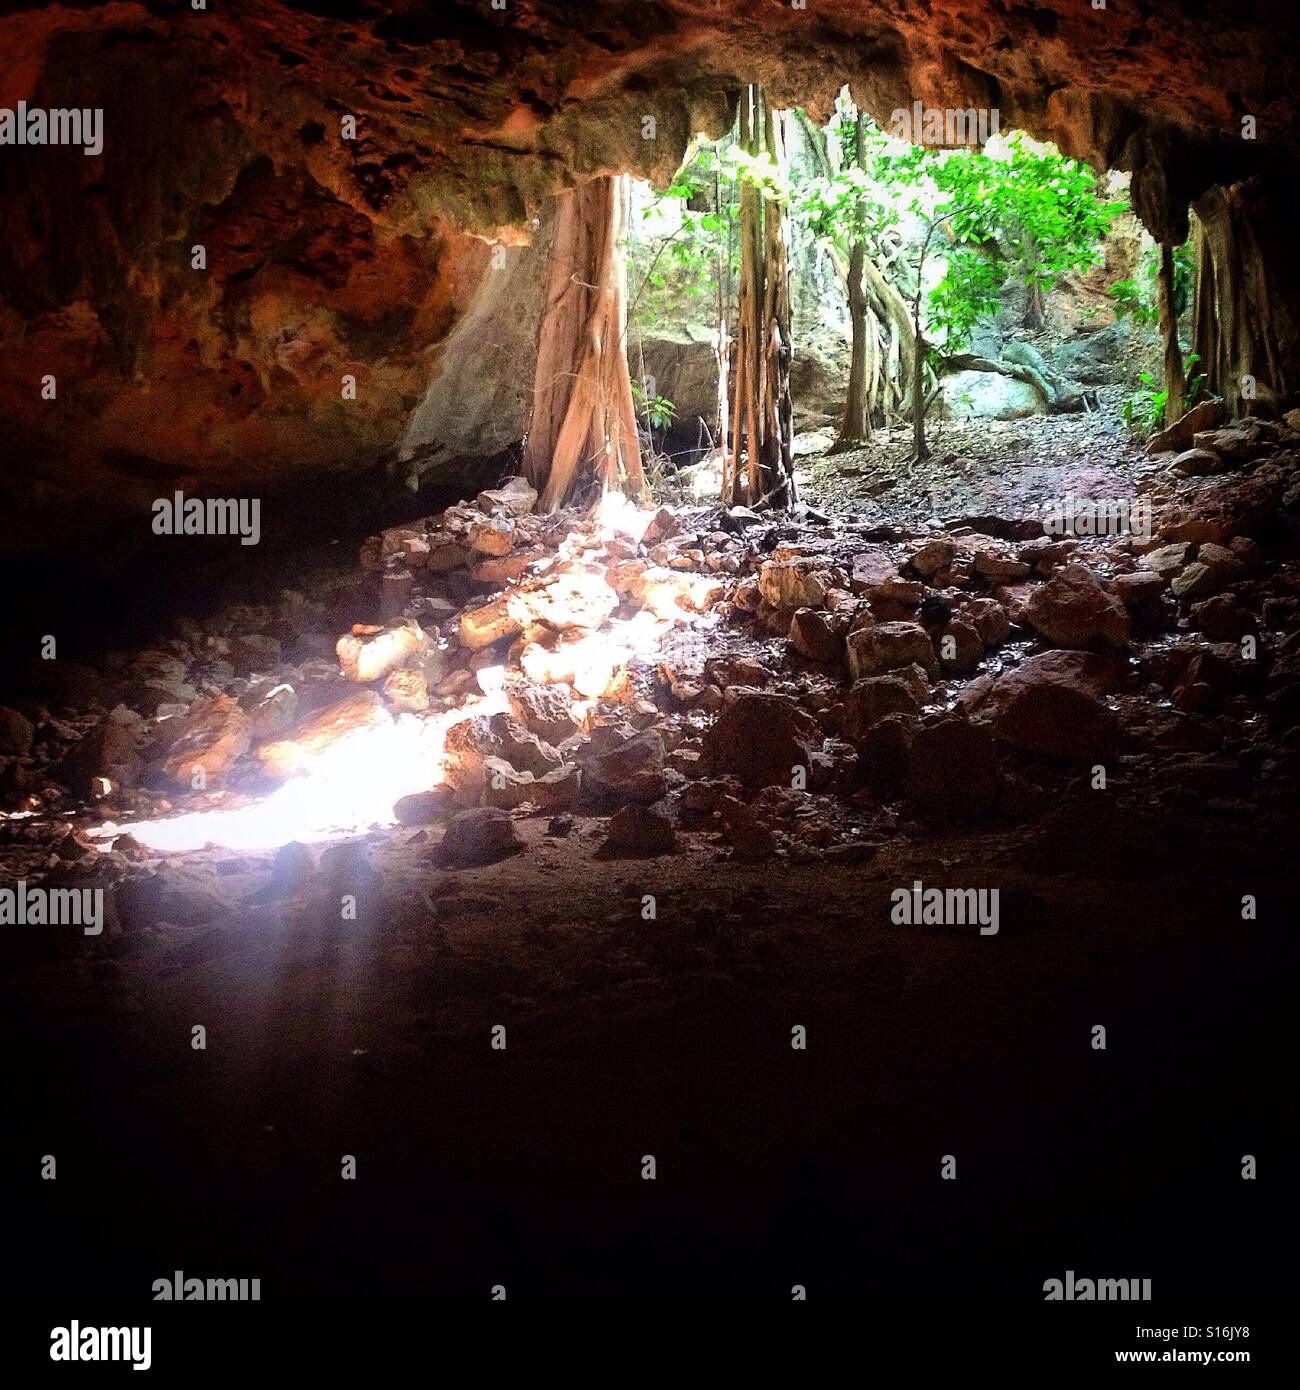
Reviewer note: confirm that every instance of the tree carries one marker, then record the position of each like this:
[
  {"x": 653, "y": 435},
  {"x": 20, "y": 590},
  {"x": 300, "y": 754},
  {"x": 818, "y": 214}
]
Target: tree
[
  {"x": 582, "y": 439},
  {"x": 848, "y": 210},
  {"x": 1245, "y": 330},
  {"x": 1175, "y": 380},
  {"x": 1023, "y": 209},
  {"x": 762, "y": 417},
  {"x": 700, "y": 253}
]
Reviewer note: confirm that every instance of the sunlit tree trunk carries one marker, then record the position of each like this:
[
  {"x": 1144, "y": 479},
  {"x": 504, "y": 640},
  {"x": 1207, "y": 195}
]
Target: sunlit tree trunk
[
  {"x": 762, "y": 419},
  {"x": 855, "y": 428},
  {"x": 920, "y": 449},
  {"x": 582, "y": 439}
]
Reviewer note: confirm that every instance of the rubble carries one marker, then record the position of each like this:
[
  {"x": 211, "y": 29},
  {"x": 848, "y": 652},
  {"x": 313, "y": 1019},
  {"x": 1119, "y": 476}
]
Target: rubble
[
  {"x": 762, "y": 738},
  {"x": 698, "y": 672}
]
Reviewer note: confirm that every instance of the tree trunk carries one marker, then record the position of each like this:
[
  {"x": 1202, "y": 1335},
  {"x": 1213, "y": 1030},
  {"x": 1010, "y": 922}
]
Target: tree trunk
[
  {"x": 855, "y": 428},
  {"x": 582, "y": 440},
  {"x": 920, "y": 449},
  {"x": 1246, "y": 308},
  {"x": 762, "y": 419},
  {"x": 1175, "y": 382}
]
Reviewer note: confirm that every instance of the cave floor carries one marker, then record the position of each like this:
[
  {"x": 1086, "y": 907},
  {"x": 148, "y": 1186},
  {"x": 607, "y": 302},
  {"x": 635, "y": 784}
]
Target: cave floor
[
  {"x": 669, "y": 1034},
  {"x": 672, "y": 1037}
]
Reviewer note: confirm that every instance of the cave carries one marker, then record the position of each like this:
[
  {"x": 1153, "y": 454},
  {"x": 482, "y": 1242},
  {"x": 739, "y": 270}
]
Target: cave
[{"x": 635, "y": 678}]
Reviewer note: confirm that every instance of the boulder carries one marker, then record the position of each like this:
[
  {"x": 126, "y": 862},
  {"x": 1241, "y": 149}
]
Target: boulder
[
  {"x": 481, "y": 835},
  {"x": 16, "y": 733},
  {"x": 1051, "y": 704},
  {"x": 618, "y": 767},
  {"x": 506, "y": 786},
  {"x": 487, "y": 623},
  {"x": 959, "y": 648},
  {"x": 1002, "y": 569},
  {"x": 990, "y": 620},
  {"x": 1167, "y": 560},
  {"x": 818, "y": 635},
  {"x": 345, "y": 719},
  {"x": 641, "y": 830},
  {"x": 254, "y": 652},
  {"x": 1205, "y": 416},
  {"x": 760, "y": 737},
  {"x": 370, "y": 653},
  {"x": 1197, "y": 581},
  {"x": 883, "y": 754},
  {"x": 878, "y": 648},
  {"x": 105, "y": 759},
  {"x": 575, "y": 600},
  {"x": 1059, "y": 721},
  {"x": 872, "y": 699},
  {"x": 1072, "y": 610},
  {"x": 178, "y": 895},
  {"x": 1139, "y": 592},
  {"x": 1223, "y": 619},
  {"x": 953, "y": 772},
  {"x": 935, "y": 555},
  {"x": 792, "y": 584},
  {"x": 1196, "y": 463},
  {"x": 212, "y": 736},
  {"x": 1236, "y": 444},
  {"x": 515, "y": 497}
]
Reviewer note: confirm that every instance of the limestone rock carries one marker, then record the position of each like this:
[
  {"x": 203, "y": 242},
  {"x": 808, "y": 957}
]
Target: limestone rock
[
  {"x": 641, "y": 830},
  {"x": 212, "y": 737},
  {"x": 1072, "y": 610},
  {"x": 370, "y": 653},
  {"x": 481, "y": 835},
  {"x": 871, "y": 700},
  {"x": 760, "y": 737},
  {"x": 347, "y": 718},
  {"x": 882, "y": 647},
  {"x": 953, "y": 772}
]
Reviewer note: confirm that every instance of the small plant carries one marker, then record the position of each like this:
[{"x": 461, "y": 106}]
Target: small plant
[
  {"x": 1144, "y": 411},
  {"x": 1196, "y": 383},
  {"x": 657, "y": 411}
]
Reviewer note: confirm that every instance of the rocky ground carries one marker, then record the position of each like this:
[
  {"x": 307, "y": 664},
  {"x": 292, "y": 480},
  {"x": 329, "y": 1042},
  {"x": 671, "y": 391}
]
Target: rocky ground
[{"x": 652, "y": 779}]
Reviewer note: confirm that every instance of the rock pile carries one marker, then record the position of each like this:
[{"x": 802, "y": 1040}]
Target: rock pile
[{"x": 782, "y": 688}]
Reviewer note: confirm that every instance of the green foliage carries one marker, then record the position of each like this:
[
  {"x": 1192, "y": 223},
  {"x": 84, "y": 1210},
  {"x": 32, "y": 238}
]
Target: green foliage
[
  {"x": 1144, "y": 411},
  {"x": 1131, "y": 301},
  {"x": 851, "y": 206},
  {"x": 669, "y": 273},
  {"x": 1026, "y": 211},
  {"x": 1136, "y": 298},
  {"x": 657, "y": 411},
  {"x": 1196, "y": 383}
]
